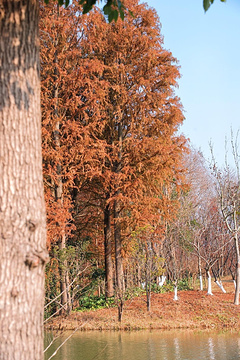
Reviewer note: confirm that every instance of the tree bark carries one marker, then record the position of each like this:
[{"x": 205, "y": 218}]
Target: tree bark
[
  {"x": 118, "y": 251},
  {"x": 109, "y": 290},
  {"x": 148, "y": 293},
  {"x": 22, "y": 211},
  {"x": 63, "y": 272}
]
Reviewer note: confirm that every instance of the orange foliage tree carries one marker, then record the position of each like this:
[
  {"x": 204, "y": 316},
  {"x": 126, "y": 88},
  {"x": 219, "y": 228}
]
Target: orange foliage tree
[
  {"x": 70, "y": 113},
  {"x": 140, "y": 122},
  {"x": 110, "y": 121}
]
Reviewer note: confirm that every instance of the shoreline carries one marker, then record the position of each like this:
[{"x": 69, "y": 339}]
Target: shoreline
[{"x": 195, "y": 310}]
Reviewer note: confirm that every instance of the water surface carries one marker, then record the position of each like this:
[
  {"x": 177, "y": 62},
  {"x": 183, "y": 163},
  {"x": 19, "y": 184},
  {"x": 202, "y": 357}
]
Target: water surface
[{"x": 146, "y": 345}]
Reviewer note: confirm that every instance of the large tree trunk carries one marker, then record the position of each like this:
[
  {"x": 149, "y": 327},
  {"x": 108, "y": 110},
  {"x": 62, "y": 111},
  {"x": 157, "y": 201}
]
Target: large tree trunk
[
  {"x": 22, "y": 210},
  {"x": 109, "y": 290}
]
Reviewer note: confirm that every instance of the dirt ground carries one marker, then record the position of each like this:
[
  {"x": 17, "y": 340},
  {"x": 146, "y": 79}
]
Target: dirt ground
[{"x": 194, "y": 309}]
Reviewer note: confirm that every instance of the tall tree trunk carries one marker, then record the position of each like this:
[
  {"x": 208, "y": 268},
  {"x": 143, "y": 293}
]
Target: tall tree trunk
[
  {"x": 64, "y": 278},
  {"x": 109, "y": 290},
  {"x": 117, "y": 225},
  {"x": 58, "y": 187},
  {"x": 148, "y": 280},
  {"x": 22, "y": 211},
  {"x": 63, "y": 272},
  {"x": 148, "y": 290},
  {"x": 118, "y": 251}
]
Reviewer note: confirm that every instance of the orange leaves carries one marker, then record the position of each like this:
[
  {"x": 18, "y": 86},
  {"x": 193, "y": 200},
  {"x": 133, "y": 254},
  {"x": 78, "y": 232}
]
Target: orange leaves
[
  {"x": 110, "y": 118},
  {"x": 59, "y": 219},
  {"x": 139, "y": 101}
]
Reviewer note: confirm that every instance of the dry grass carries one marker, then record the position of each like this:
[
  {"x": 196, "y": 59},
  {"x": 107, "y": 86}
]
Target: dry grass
[{"x": 194, "y": 309}]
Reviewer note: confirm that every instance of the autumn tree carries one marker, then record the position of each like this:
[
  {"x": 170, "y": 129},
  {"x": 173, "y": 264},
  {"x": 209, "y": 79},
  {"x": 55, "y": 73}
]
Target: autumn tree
[
  {"x": 71, "y": 119},
  {"x": 122, "y": 117},
  {"x": 140, "y": 120}
]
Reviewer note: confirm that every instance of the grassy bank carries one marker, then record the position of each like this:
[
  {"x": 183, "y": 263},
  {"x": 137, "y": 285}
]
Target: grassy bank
[{"x": 194, "y": 309}]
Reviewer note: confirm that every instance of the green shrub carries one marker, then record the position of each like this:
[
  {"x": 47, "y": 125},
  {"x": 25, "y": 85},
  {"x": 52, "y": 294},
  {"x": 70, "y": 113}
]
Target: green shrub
[
  {"x": 184, "y": 284},
  {"x": 94, "y": 302},
  {"x": 167, "y": 286}
]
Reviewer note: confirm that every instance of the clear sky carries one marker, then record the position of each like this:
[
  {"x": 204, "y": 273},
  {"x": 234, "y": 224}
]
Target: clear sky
[{"x": 207, "y": 46}]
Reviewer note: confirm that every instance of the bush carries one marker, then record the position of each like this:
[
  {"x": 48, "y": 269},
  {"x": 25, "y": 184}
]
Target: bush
[
  {"x": 184, "y": 284},
  {"x": 167, "y": 286},
  {"x": 94, "y": 302}
]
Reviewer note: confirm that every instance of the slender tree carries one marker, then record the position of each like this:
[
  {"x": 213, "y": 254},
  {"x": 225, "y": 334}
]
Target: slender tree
[{"x": 227, "y": 183}]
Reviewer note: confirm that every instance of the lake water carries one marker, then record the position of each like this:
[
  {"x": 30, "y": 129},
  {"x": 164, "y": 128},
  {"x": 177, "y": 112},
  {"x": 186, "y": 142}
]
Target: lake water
[{"x": 146, "y": 345}]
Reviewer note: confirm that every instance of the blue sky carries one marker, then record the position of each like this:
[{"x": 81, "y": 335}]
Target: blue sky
[{"x": 207, "y": 46}]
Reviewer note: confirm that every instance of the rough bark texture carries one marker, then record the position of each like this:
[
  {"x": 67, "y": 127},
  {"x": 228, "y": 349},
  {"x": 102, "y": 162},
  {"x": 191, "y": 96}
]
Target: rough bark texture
[{"x": 22, "y": 210}]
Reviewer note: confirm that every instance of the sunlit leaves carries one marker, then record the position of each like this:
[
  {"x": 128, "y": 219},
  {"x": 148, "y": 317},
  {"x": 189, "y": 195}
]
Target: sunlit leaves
[{"x": 113, "y": 9}]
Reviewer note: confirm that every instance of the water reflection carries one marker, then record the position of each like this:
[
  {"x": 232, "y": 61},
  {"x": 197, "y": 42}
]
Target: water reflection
[
  {"x": 211, "y": 348},
  {"x": 144, "y": 345}
]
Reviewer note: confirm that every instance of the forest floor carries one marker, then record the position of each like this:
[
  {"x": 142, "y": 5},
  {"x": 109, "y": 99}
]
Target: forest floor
[{"x": 194, "y": 310}]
